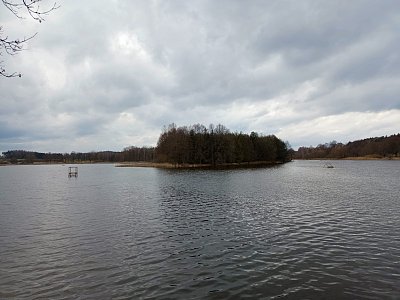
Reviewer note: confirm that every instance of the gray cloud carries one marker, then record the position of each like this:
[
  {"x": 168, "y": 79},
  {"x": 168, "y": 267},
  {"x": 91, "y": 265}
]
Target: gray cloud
[{"x": 108, "y": 74}]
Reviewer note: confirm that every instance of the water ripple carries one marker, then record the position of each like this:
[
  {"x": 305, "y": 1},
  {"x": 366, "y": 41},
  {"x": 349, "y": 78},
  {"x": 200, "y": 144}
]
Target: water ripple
[{"x": 292, "y": 232}]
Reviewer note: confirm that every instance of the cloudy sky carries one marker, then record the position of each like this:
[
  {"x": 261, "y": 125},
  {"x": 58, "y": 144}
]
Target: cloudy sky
[{"x": 106, "y": 74}]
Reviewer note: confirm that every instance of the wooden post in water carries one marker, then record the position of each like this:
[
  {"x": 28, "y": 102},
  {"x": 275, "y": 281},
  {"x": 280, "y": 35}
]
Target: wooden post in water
[{"x": 72, "y": 171}]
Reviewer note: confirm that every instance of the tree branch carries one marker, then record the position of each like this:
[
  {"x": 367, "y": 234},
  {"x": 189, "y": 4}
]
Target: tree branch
[
  {"x": 11, "y": 46},
  {"x": 31, "y": 6}
]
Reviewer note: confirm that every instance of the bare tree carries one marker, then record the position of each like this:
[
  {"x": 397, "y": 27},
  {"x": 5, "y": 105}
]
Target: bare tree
[{"x": 13, "y": 46}]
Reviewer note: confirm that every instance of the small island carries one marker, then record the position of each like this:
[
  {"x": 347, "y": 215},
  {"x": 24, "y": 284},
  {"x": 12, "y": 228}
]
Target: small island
[
  {"x": 197, "y": 146},
  {"x": 194, "y": 146}
]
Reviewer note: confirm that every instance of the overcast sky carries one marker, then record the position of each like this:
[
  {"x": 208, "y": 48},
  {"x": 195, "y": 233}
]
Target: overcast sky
[{"x": 106, "y": 74}]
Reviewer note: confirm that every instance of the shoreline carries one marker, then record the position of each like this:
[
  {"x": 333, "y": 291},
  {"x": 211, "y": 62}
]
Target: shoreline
[
  {"x": 352, "y": 158},
  {"x": 144, "y": 164},
  {"x": 256, "y": 164}
]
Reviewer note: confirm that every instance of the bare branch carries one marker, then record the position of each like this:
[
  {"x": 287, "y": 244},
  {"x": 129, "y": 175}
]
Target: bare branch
[
  {"x": 8, "y": 75},
  {"x": 13, "y": 7},
  {"x": 32, "y": 7},
  {"x": 34, "y": 10},
  {"x": 11, "y": 46}
]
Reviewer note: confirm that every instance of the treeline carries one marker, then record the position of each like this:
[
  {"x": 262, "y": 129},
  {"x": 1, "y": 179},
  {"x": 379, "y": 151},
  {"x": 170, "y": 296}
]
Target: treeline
[
  {"x": 378, "y": 147},
  {"x": 130, "y": 154},
  {"x": 195, "y": 144},
  {"x": 216, "y": 145}
]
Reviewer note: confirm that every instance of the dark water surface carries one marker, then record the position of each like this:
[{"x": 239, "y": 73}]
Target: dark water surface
[{"x": 298, "y": 231}]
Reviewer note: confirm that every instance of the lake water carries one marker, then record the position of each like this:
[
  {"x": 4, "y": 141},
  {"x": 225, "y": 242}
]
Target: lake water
[{"x": 295, "y": 231}]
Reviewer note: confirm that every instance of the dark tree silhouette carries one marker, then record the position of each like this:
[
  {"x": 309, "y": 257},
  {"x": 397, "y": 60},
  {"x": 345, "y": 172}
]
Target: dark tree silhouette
[
  {"x": 376, "y": 147},
  {"x": 217, "y": 146},
  {"x": 130, "y": 154},
  {"x": 10, "y": 46}
]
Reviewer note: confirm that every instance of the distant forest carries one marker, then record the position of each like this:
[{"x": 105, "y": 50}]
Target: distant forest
[
  {"x": 195, "y": 144},
  {"x": 128, "y": 154},
  {"x": 378, "y": 147}
]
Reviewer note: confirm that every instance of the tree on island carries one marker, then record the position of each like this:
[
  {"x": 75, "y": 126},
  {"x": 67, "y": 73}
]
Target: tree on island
[
  {"x": 14, "y": 46},
  {"x": 216, "y": 145}
]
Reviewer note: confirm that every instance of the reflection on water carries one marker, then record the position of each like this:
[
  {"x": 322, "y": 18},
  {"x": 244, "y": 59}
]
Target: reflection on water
[{"x": 293, "y": 231}]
